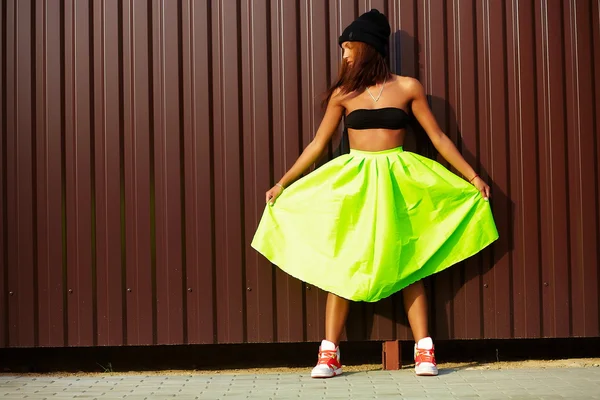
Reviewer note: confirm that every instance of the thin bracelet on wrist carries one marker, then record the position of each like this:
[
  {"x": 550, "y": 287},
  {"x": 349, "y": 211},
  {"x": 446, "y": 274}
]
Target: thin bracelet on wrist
[
  {"x": 473, "y": 178},
  {"x": 280, "y": 185}
]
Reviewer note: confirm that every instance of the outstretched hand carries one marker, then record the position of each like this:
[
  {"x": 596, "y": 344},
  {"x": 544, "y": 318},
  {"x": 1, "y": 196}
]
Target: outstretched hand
[
  {"x": 483, "y": 187},
  {"x": 273, "y": 193}
]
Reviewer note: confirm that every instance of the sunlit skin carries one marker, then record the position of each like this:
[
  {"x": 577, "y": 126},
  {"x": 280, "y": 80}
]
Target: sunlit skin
[{"x": 400, "y": 92}]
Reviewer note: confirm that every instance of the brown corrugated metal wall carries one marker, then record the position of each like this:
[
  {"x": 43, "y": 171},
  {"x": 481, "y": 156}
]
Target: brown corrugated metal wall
[{"x": 138, "y": 138}]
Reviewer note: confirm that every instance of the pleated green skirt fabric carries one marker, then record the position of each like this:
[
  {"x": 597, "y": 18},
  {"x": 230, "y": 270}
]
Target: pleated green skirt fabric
[{"x": 367, "y": 224}]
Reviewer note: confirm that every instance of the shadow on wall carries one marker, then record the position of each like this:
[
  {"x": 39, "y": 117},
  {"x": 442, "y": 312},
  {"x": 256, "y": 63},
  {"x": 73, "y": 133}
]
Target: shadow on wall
[{"x": 442, "y": 287}]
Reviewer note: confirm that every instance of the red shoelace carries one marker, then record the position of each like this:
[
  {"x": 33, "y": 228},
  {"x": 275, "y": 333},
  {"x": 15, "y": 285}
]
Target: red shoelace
[
  {"x": 424, "y": 355},
  {"x": 329, "y": 357}
]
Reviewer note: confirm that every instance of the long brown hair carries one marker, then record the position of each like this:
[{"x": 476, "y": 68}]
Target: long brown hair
[{"x": 369, "y": 67}]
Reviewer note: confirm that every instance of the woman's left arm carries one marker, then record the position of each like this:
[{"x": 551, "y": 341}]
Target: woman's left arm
[{"x": 442, "y": 143}]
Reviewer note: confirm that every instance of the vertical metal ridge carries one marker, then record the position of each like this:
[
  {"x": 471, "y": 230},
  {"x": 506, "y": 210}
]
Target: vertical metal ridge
[
  {"x": 594, "y": 78},
  {"x": 10, "y": 104},
  {"x": 499, "y": 153},
  {"x": 212, "y": 191},
  {"x": 476, "y": 73},
  {"x": 572, "y": 102},
  {"x": 455, "y": 63},
  {"x": 258, "y": 119},
  {"x": 427, "y": 44},
  {"x": 128, "y": 166},
  {"x": 517, "y": 109},
  {"x": 140, "y": 275},
  {"x": 182, "y": 181},
  {"x": 97, "y": 129},
  {"x": 579, "y": 251},
  {"x": 301, "y": 128},
  {"x": 483, "y": 72},
  {"x": 581, "y": 151},
  {"x": 110, "y": 290},
  {"x": 309, "y": 58},
  {"x": 270, "y": 112},
  {"x": 26, "y": 324},
  {"x": 594, "y": 327},
  {"x": 487, "y": 63},
  {"x": 161, "y": 111},
  {"x": 456, "y": 35},
  {"x": 103, "y": 194},
  {"x": 168, "y": 181},
  {"x": 547, "y": 156},
  {"x": 477, "y": 164},
  {"x": 122, "y": 194},
  {"x": 305, "y": 93},
  {"x": 194, "y": 120},
  {"x": 197, "y": 152},
  {"x": 569, "y": 270},
  {"x": 4, "y": 210},
  {"x": 222, "y": 123},
  {"x": 508, "y": 203},
  {"x": 73, "y": 205},
  {"x": 201, "y": 272},
  {"x": 16, "y": 198},
  {"x": 328, "y": 68},
  {"x": 186, "y": 121},
  {"x": 417, "y": 47},
  {"x": 545, "y": 65},
  {"x": 311, "y": 71},
  {"x": 69, "y": 128},
  {"x": 536, "y": 124},
  {"x": 152, "y": 194},
  {"x": 595, "y": 58},
  {"x": 92, "y": 150},
  {"x": 223, "y": 329},
  {"x": 517, "y": 149},
  {"x": 394, "y": 15},
  {"x": 542, "y": 66},
  {"x": 165, "y": 167},
  {"x": 72, "y": 122},
  {"x": 41, "y": 151},
  {"x": 581, "y": 159},
  {"x": 554, "y": 152},
  {"x": 34, "y": 203},
  {"x": 188, "y": 143},
  {"x": 299, "y": 67},
  {"x": 63, "y": 174},
  {"x": 277, "y": 125},
  {"x": 246, "y": 106},
  {"x": 566, "y": 186},
  {"x": 241, "y": 170},
  {"x": 162, "y": 198},
  {"x": 218, "y": 78}
]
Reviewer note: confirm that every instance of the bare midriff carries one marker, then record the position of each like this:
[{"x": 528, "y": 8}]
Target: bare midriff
[{"x": 375, "y": 139}]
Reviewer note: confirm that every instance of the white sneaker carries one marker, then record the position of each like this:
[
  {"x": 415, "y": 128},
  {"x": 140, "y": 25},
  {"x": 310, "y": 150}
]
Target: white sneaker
[
  {"x": 328, "y": 364},
  {"x": 425, "y": 364}
]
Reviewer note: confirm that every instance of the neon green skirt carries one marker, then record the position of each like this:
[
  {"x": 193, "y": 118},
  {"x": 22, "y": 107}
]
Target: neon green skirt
[{"x": 367, "y": 224}]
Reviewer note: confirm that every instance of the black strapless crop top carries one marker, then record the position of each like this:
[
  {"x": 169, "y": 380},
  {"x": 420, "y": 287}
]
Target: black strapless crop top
[{"x": 378, "y": 118}]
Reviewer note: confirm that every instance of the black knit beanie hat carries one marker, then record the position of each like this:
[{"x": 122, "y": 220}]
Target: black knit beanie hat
[{"x": 371, "y": 28}]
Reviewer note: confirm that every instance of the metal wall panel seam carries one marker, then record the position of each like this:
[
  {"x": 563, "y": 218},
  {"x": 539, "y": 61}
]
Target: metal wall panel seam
[{"x": 4, "y": 321}]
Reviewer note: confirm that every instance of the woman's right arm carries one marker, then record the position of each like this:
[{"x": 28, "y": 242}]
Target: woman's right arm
[{"x": 315, "y": 148}]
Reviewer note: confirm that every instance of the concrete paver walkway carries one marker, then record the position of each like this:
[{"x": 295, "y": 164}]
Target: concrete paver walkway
[{"x": 556, "y": 383}]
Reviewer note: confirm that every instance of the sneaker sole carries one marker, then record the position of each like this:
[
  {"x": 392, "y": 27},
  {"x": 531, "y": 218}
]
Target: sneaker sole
[
  {"x": 426, "y": 373},
  {"x": 335, "y": 373}
]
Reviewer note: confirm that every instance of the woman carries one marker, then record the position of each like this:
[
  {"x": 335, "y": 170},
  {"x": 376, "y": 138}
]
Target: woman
[{"x": 377, "y": 220}]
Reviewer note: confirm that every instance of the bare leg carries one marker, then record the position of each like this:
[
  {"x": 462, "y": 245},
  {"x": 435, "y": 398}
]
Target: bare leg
[
  {"x": 415, "y": 304},
  {"x": 336, "y": 312}
]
